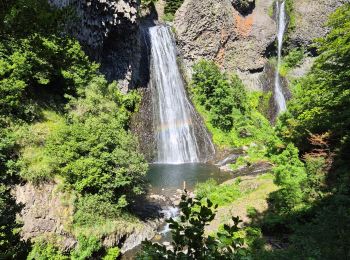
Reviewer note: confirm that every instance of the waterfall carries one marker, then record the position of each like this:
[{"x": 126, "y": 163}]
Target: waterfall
[
  {"x": 173, "y": 123},
  {"x": 281, "y": 27}
]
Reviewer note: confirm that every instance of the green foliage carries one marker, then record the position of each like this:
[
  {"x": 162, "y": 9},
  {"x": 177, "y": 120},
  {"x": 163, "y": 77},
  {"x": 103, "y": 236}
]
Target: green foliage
[
  {"x": 218, "y": 194},
  {"x": 321, "y": 100},
  {"x": 171, "y": 6},
  {"x": 42, "y": 250},
  {"x": 91, "y": 210},
  {"x": 36, "y": 65},
  {"x": 34, "y": 163},
  {"x": 293, "y": 59},
  {"x": 316, "y": 168},
  {"x": 94, "y": 152},
  {"x": 221, "y": 96},
  {"x": 112, "y": 253},
  {"x": 290, "y": 175},
  {"x": 87, "y": 247},
  {"x": 189, "y": 240}
]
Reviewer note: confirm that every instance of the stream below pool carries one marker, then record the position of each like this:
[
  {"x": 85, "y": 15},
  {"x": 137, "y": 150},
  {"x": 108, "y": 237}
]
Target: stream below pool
[{"x": 167, "y": 179}]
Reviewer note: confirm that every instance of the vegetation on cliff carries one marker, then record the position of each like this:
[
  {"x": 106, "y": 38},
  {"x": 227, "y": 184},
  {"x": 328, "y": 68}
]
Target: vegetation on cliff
[
  {"x": 309, "y": 150},
  {"x": 61, "y": 119}
]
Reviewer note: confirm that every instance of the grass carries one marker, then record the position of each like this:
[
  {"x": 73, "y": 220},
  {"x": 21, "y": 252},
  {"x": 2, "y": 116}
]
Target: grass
[
  {"x": 218, "y": 194},
  {"x": 35, "y": 164},
  {"x": 121, "y": 225},
  {"x": 255, "y": 191}
]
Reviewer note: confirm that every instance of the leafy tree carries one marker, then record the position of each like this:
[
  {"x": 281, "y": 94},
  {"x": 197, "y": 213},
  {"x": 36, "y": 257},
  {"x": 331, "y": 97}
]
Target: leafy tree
[
  {"x": 220, "y": 95},
  {"x": 33, "y": 67},
  {"x": 321, "y": 100},
  {"x": 290, "y": 175},
  {"x": 94, "y": 152},
  {"x": 189, "y": 240}
]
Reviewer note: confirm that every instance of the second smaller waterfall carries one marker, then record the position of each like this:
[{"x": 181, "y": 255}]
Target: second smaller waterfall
[{"x": 281, "y": 27}]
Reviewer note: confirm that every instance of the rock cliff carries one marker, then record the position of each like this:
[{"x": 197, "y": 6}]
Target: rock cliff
[
  {"x": 44, "y": 213},
  {"x": 97, "y": 19},
  {"x": 214, "y": 29},
  {"x": 310, "y": 20},
  {"x": 109, "y": 32},
  {"x": 47, "y": 212},
  {"x": 241, "y": 37}
]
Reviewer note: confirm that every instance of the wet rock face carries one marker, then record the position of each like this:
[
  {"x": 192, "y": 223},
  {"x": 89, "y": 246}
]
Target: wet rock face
[
  {"x": 215, "y": 30},
  {"x": 310, "y": 19},
  {"x": 244, "y": 6}
]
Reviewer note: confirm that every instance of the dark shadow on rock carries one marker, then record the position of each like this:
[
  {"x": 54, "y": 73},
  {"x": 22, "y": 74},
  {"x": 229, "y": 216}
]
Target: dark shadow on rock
[{"x": 244, "y": 7}]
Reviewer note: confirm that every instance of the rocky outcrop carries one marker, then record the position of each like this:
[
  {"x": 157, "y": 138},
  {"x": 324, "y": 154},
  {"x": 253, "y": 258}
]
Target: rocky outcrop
[
  {"x": 310, "y": 20},
  {"x": 110, "y": 33},
  {"x": 215, "y": 30},
  {"x": 43, "y": 213},
  {"x": 96, "y": 19},
  {"x": 47, "y": 212}
]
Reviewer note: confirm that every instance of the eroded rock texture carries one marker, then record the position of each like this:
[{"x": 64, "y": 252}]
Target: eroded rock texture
[
  {"x": 214, "y": 29},
  {"x": 310, "y": 20},
  {"x": 44, "y": 213},
  {"x": 109, "y": 32},
  {"x": 98, "y": 18}
]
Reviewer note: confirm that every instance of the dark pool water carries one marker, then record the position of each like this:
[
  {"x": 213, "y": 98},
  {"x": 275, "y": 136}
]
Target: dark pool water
[{"x": 167, "y": 178}]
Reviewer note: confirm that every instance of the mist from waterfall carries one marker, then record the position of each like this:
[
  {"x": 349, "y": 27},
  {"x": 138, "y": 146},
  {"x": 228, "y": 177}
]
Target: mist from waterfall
[
  {"x": 174, "y": 130},
  {"x": 281, "y": 27}
]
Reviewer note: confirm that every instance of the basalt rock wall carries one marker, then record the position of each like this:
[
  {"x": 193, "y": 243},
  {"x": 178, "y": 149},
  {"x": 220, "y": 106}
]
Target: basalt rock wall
[{"x": 110, "y": 34}]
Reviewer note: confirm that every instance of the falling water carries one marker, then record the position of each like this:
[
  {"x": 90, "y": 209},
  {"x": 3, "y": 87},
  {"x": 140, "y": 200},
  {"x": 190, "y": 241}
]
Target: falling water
[
  {"x": 281, "y": 27},
  {"x": 174, "y": 130}
]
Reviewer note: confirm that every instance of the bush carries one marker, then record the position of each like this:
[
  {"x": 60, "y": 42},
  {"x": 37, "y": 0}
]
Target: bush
[
  {"x": 112, "y": 254},
  {"x": 93, "y": 151},
  {"x": 43, "y": 250},
  {"x": 220, "y": 95},
  {"x": 87, "y": 247},
  {"x": 218, "y": 194},
  {"x": 189, "y": 240},
  {"x": 290, "y": 175},
  {"x": 91, "y": 210}
]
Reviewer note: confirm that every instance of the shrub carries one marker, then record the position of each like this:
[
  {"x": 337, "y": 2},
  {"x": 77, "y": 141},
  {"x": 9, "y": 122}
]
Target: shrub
[
  {"x": 218, "y": 194},
  {"x": 42, "y": 250},
  {"x": 91, "y": 210},
  {"x": 220, "y": 95},
  {"x": 87, "y": 247},
  {"x": 112, "y": 253},
  {"x": 189, "y": 240}
]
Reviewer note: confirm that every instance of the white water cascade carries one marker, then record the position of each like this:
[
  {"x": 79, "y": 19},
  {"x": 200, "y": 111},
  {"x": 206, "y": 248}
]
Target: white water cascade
[
  {"x": 174, "y": 130},
  {"x": 281, "y": 27}
]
